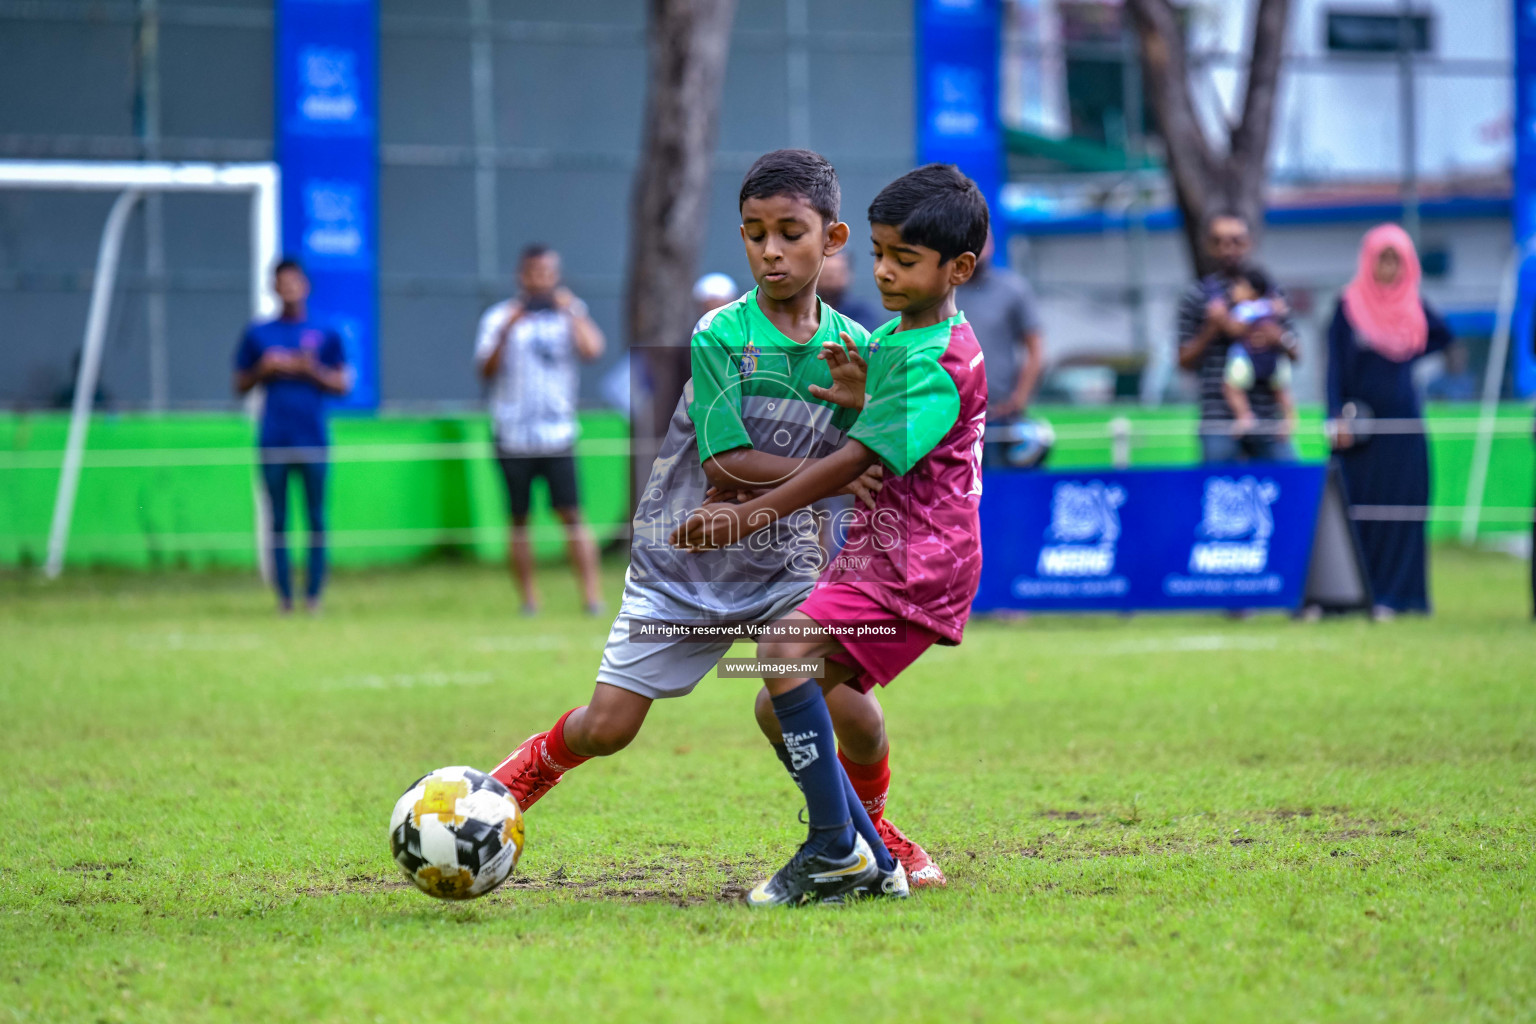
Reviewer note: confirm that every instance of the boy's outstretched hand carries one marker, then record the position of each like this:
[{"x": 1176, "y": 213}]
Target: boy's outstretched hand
[{"x": 849, "y": 374}]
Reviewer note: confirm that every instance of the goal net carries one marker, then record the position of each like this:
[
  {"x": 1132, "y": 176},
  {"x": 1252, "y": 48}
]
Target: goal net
[{"x": 131, "y": 181}]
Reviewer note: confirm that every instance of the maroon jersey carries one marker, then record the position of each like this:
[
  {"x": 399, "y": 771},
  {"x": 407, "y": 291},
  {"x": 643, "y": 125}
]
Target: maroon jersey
[{"x": 918, "y": 552}]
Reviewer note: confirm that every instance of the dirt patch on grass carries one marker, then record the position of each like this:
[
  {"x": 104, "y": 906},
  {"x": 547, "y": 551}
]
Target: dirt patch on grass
[
  {"x": 1093, "y": 835},
  {"x": 1332, "y": 814},
  {"x": 92, "y": 866},
  {"x": 356, "y": 885},
  {"x": 635, "y": 884},
  {"x": 1343, "y": 824}
]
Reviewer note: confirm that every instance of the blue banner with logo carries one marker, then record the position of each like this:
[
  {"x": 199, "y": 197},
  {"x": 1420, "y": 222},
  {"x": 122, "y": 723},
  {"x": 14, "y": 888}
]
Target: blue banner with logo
[
  {"x": 958, "y": 44},
  {"x": 1525, "y": 193},
  {"x": 1237, "y": 536},
  {"x": 327, "y": 145}
]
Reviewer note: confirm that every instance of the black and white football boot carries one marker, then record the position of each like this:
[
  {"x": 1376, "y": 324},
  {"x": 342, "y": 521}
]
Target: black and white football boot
[
  {"x": 815, "y": 877},
  {"x": 889, "y": 885}
]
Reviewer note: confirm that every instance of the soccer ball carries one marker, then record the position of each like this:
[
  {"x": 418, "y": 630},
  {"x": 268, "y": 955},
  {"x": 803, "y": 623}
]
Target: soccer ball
[{"x": 456, "y": 833}]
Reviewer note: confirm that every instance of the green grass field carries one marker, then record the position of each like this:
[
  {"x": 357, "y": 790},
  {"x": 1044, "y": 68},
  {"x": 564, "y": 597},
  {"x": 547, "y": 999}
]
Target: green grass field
[{"x": 1160, "y": 818}]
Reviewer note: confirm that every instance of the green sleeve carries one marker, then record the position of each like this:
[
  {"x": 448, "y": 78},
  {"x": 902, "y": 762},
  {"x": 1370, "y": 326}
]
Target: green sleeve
[
  {"x": 912, "y": 404},
  {"x": 716, "y": 408}
]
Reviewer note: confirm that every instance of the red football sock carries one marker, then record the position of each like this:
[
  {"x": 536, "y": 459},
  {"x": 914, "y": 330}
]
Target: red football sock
[
  {"x": 871, "y": 782},
  {"x": 549, "y": 758},
  {"x": 556, "y": 756}
]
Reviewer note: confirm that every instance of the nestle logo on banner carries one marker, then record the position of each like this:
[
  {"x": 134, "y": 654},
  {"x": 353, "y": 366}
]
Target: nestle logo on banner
[
  {"x": 1085, "y": 524},
  {"x": 957, "y": 101},
  {"x": 1236, "y": 527},
  {"x": 333, "y": 219},
  {"x": 328, "y": 87}
]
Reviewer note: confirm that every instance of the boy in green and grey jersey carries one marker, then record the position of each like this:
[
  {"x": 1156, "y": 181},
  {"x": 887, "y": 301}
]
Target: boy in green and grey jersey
[
  {"x": 750, "y": 389},
  {"x": 757, "y": 413}
]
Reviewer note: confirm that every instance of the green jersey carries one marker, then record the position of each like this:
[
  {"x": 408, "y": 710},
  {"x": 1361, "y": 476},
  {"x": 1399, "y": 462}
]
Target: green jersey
[{"x": 750, "y": 389}]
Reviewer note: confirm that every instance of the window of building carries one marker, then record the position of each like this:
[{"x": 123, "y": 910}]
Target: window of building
[
  {"x": 1092, "y": 35},
  {"x": 1365, "y": 32}
]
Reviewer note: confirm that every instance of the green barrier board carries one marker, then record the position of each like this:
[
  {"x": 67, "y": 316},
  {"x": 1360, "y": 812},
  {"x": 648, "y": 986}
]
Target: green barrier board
[{"x": 178, "y": 490}]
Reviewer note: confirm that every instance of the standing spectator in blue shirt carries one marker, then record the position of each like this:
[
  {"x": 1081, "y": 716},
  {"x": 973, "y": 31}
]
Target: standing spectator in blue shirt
[{"x": 298, "y": 363}]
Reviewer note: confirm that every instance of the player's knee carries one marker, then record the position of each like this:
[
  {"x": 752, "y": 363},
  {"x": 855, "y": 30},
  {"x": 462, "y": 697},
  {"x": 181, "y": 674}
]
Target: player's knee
[
  {"x": 861, "y": 737},
  {"x": 859, "y": 723},
  {"x": 778, "y": 648},
  {"x": 569, "y": 516},
  {"x": 607, "y": 733}
]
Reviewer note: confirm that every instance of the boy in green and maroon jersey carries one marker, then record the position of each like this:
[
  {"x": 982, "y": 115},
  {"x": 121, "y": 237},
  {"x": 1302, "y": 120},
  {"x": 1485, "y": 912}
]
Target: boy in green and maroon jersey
[
  {"x": 757, "y": 412},
  {"x": 908, "y": 574}
]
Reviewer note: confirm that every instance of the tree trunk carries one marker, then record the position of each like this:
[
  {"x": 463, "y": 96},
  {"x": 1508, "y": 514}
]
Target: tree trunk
[
  {"x": 1207, "y": 179},
  {"x": 688, "y": 42}
]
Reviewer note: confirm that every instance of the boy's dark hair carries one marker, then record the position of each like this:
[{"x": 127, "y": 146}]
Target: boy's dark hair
[
  {"x": 794, "y": 172},
  {"x": 532, "y": 251},
  {"x": 935, "y": 206},
  {"x": 1257, "y": 280},
  {"x": 288, "y": 263}
]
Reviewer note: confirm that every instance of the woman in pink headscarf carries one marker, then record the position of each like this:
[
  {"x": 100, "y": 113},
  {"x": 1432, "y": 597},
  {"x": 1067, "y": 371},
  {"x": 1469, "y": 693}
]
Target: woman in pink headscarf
[{"x": 1381, "y": 326}]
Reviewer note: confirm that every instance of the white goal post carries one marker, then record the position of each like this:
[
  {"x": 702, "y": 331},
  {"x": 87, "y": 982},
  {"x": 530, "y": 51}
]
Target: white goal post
[{"x": 131, "y": 181}]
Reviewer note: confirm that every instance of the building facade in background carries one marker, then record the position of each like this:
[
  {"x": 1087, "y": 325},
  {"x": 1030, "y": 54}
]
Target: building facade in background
[
  {"x": 1337, "y": 168},
  {"x": 501, "y": 122}
]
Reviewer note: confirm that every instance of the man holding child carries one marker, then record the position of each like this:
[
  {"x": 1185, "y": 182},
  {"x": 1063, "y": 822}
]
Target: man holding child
[{"x": 1234, "y": 332}]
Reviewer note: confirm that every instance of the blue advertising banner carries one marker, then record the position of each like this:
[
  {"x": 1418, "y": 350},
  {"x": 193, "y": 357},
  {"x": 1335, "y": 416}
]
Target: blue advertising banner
[
  {"x": 958, "y": 44},
  {"x": 327, "y": 146},
  {"x": 1237, "y": 536},
  {"x": 1525, "y": 192}
]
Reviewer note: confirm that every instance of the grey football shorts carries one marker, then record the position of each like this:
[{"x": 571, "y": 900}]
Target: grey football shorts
[{"x": 666, "y": 668}]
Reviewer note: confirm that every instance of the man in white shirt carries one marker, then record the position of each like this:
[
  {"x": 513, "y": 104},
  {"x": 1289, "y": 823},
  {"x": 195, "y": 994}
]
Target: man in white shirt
[{"x": 528, "y": 350}]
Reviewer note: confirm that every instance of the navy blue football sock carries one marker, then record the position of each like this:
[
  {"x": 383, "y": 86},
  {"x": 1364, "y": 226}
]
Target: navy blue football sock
[
  {"x": 807, "y": 728},
  {"x": 782, "y": 752},
  {"x": 861, "y": 820},
  {"x": 864, "y": 825}
]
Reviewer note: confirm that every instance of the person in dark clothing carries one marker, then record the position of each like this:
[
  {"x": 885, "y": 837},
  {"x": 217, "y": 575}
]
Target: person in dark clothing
[
  {"x": 299, "y": 363},
  {"x": 1000, "y": 306},
  {"x": 1206, "y": 331},
  {"x": 1380, "y": 327},
  {"x": 64, "y": 398},
  {"x": 836, "y": 273}
]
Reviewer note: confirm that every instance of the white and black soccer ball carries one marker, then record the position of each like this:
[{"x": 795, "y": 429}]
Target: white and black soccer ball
[{"x": 456, "y": 833}]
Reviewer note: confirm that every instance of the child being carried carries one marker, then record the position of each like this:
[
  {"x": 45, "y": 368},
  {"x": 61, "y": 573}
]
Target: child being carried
[{"x": 1257, "y": 363}]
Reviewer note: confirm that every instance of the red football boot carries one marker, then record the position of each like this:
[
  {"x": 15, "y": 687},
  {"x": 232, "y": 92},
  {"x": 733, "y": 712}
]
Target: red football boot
[
  {"x": 922, "y": 872},
  {"x": 529, "y": 772}
]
